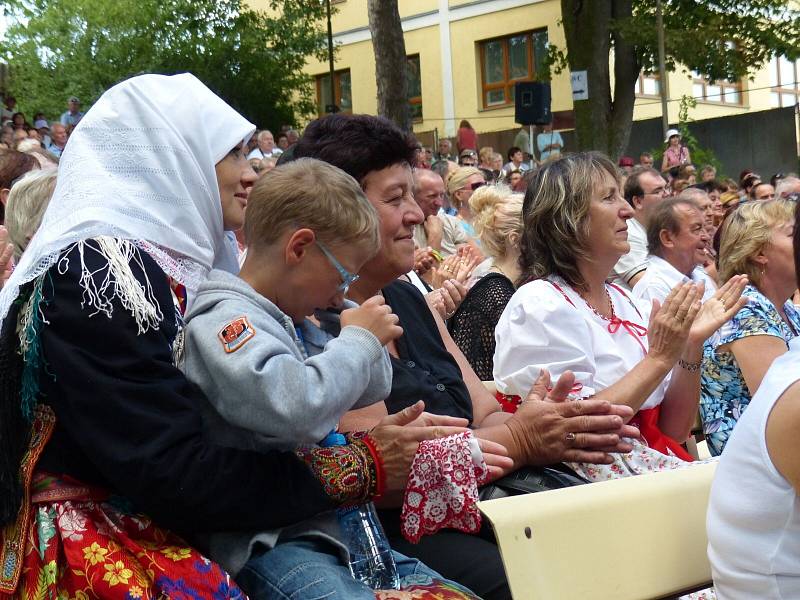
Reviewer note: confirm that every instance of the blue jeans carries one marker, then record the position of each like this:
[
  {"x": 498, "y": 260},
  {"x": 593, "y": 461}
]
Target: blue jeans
[{"x": 306, "y": 569}]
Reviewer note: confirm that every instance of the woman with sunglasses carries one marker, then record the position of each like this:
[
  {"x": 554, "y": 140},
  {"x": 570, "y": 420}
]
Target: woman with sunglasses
[{"x": 460, "y": 186}]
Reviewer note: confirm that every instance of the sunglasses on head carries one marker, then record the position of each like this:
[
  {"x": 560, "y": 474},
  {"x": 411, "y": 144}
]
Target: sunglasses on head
[{"x": 477, "y": 185}]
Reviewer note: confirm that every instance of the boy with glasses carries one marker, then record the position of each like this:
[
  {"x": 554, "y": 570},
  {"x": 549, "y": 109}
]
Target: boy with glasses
[
  {"x": 248, "y": 343},
  {"x": 273, "y": 378}
]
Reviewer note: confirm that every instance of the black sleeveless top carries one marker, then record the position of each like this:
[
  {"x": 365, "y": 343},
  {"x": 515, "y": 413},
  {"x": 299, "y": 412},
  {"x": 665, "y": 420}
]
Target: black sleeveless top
[{"x": 425, "y": 370}]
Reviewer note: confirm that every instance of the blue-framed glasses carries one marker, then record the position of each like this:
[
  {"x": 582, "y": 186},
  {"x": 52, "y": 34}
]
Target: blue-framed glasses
[{"x": 348, "y": 278}]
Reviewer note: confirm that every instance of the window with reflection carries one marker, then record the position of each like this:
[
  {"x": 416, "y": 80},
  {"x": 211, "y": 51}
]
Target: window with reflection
[
  {"x": 648, "y": 84},
  {"x": 508, "y": 60},
  {"x": 784, "y": 75},
  {"x": 414, "y": 82},
  {"x": 723, "y": 92},
  {"x": 343, "y": 96}
]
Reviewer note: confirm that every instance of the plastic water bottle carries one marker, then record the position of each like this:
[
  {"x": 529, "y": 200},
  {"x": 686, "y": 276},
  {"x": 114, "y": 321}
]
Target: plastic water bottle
[{"x": 371, "y": 560}]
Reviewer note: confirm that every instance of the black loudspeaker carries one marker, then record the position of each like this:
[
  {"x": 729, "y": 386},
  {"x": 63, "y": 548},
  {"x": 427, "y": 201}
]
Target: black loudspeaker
[{"x": 532, "y": 103}]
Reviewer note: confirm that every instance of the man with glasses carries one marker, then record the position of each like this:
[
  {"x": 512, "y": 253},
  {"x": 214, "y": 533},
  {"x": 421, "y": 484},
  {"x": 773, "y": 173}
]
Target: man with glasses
[
  {"x": 644, "y": 190},
  {"x": 468, "y": 158}
]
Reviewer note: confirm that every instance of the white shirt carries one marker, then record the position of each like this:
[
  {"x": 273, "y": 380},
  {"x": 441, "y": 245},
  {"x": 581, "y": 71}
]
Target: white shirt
[
  {"x": 257, "y": 153},
  {"x": 660, "y": 277},
  {"x": 453, "y": 234},
  {"x": 635, "y": 261},
  {"x": 753, "y": 513},
  {"x": 540, "y": 328}
]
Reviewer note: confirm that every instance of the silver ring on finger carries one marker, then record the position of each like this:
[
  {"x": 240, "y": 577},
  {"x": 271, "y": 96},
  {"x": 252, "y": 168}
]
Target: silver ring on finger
[{"x": 570, "y": 437}]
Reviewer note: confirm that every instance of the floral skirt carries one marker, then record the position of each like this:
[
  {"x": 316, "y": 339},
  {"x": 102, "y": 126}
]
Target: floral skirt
[
  {"x": 88, "y": 548},
  {"x": 76, "y": 542}
]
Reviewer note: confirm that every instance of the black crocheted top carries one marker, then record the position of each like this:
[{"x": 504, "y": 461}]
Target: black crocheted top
[{"x": 473, "y": 324}]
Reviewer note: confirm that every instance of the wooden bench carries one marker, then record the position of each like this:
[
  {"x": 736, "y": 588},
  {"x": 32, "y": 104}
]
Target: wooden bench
[{"x": 627, "y": 539}]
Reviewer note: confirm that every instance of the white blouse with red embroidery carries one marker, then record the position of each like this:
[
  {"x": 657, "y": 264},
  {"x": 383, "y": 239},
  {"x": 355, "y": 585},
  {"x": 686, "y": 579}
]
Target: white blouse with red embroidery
[{"x": 547, "y": 325}]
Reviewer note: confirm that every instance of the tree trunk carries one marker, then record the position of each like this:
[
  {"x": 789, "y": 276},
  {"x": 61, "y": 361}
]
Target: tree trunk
[
  {"x": 390, "y": 61},
  {"x": 601, "y": 123},
  {"x": 626, "y": 74}
]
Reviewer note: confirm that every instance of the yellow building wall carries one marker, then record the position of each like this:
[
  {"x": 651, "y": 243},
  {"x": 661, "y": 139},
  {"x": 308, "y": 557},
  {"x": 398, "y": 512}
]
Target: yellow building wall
[
  {"x": 755, "y": 97},
  {"x": 465, "y": 35},
  {"x": 360, "y": 59},
  {"x": 350, "y": 20}
]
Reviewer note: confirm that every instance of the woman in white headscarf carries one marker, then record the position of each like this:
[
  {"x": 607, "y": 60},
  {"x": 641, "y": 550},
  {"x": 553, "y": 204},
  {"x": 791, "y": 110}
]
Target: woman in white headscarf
[{"x": 96, "y": 421}]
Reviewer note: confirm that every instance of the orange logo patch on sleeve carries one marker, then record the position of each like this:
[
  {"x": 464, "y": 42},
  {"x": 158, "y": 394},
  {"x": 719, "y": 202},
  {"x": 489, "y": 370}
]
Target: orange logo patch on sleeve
[{"x": 236, "y": 334}]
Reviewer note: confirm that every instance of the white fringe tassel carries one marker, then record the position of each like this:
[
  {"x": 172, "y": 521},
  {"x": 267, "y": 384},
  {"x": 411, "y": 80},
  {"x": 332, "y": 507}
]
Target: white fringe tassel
[{"x": 118, "y": 282}]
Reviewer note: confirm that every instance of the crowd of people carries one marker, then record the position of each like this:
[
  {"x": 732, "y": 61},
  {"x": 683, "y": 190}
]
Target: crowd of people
[{"x": 182, "y": 333}]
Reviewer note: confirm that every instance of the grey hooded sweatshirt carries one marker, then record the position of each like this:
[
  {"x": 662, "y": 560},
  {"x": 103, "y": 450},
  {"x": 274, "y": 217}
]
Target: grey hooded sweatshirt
[{"x": 270, "y": 388}]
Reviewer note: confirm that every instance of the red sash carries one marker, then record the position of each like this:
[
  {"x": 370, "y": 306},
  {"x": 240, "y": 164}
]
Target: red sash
[{"x": 647, "y": 422}]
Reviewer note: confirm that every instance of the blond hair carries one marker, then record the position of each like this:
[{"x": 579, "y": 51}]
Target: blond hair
[
  {"x": 555, "y": 216},
  {"x": 457, "y": 180},
  {"x": 747, "y": 231},
  {"x": 497, "y": 216},
  {"x": 310, "y": 193},
  {"x": 26, "y": 204},
  {"x": 485, "y": 154}
]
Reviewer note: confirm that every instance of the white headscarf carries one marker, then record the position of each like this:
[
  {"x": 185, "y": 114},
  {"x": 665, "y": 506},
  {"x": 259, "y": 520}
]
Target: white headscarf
[{"x": 140, "y": 167}]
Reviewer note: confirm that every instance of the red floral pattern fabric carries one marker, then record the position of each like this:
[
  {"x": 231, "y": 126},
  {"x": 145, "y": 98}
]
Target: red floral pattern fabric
[
  {"x": 85, "y": 548},
  {"x": 443, "y": 487}
]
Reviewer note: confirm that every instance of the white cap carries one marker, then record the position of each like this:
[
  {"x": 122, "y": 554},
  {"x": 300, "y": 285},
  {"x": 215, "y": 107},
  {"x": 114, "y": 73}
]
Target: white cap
[{"x": 670, "y": 133}]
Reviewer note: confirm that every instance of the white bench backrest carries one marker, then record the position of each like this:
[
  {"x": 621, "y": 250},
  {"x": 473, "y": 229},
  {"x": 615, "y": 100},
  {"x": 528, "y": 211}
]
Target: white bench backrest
[{"x": 627, "y": 539}]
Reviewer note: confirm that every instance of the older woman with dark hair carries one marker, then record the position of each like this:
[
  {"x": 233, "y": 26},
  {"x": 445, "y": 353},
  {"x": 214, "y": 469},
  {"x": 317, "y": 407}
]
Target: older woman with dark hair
[
  {"x": 566, "y": 317},
  {"x": 427, "y": 364}
]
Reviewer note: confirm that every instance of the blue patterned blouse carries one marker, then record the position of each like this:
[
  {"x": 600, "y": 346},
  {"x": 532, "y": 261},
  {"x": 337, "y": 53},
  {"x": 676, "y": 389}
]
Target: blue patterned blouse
[{"x": 723, "y": 391}]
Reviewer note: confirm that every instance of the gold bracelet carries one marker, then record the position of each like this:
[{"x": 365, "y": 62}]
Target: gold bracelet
[{"x": 691, "y": 367}]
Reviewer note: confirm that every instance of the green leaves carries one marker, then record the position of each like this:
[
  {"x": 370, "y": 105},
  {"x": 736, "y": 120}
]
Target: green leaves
[
  {"x": 721, "y": 39},
  {"x": 59, "y": 48}
]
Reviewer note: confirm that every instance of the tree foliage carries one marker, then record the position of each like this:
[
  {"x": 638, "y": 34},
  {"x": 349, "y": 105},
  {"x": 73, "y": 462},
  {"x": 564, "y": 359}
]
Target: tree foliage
[
  {"x": 254, "y": 60},
  {"x": 720, "y": 39}
]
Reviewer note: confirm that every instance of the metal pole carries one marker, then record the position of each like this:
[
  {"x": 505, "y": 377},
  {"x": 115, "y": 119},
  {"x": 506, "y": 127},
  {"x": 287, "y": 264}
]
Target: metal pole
[
  {"x": 662, "y": 71},
  {"x": 530, "y": 145},
  {"x": 330, "y": 56}
]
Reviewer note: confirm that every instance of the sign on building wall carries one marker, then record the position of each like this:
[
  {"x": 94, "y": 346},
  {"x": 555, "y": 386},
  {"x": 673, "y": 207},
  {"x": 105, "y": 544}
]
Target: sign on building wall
[{"x": 580, "y": 85}]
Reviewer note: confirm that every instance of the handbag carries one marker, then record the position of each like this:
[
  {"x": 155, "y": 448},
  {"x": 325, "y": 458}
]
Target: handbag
[{"x": 529, "y": 480}]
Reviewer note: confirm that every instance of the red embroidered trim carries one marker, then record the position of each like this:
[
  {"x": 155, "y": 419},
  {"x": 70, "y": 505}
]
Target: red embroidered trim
[
  {"x": 442, "y": 488},
  {"x": 12, "y": 536},
  {"x": 380, "y": 473},
  {"x": 635, "y": 330}
]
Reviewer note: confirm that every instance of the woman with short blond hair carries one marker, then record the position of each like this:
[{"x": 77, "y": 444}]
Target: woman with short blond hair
[
  {"x": 461, "y": 184},
  {"x": 756, "y": 240},
  {"x": 27, "y": 202}
]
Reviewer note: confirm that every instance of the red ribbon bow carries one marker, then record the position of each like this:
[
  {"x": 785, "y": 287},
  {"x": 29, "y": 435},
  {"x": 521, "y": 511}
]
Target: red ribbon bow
[{"x": 634, "y": 329}]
